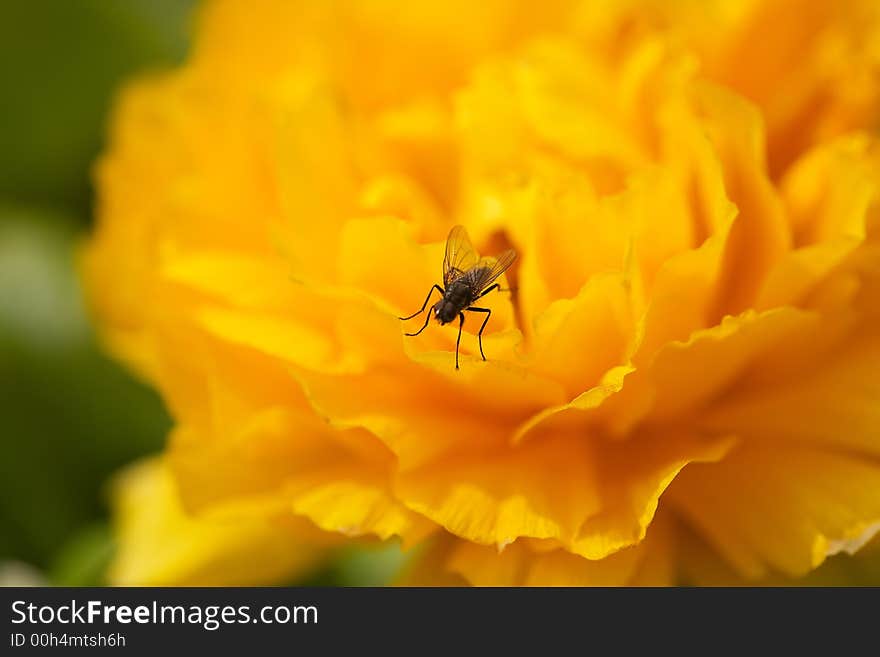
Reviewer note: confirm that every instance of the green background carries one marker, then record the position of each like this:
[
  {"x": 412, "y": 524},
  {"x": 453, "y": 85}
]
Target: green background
[{"x": 70, "y": 417}]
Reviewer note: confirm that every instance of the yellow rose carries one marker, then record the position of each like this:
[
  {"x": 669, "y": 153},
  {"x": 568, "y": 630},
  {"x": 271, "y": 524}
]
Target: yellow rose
[{"x": 686, "y": 322}]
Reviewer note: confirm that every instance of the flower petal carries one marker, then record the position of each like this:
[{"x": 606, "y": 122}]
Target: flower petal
[
  {"x": 380, "y": 256},
  {"x": 159, "y": 545},
  {"x": 810, "y": 499},
  {"x": 593, "y": 497},
  {"x": 540, "y": 563},
  {"x": 355, "y": 502},
  {"x": 542, "y": 489},
  {"x": 759, "y": 236},
  {"x": 829, "y": 195},
  {"x": 576, "y": 341},
  {"x": 831, "y": 401},
  {"x": 633, "y": 475},
  {"x": 392, "y": 406},
  {"x": 315, "y": 172},
  {"x": 518, "y": 565},
  {"x": 676, "y": 381},
  {"x": 253, "y": 436}
]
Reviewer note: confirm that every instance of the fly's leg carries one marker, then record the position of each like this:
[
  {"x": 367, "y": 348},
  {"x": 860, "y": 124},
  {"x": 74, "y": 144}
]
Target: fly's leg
[
  {"x": 494, "y": 286},
  {"x": 427, "y": 319},
  {"x": 485, "y": 321},
  {"x": 422, "y": 309},
  {"x": 458, "y": 341}
]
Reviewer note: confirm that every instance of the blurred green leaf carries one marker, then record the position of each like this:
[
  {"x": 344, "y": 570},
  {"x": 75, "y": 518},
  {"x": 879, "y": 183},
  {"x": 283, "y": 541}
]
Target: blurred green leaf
[
  {"x": 361, "y": 564},
  {"x": 370, "y": 566},
  {"x": 60, "y": 64},
  {"x": 83, "y": 560},
  {"x": 70, "y": 416}
]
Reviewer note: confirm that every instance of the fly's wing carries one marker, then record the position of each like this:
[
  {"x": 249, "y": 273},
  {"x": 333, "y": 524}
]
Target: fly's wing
[
  {"x": 460, "y": 255},
  {"x": 490, "y": 268}
]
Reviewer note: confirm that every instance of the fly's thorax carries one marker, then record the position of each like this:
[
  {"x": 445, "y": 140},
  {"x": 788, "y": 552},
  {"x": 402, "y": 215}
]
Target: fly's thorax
[{"x": 458, "y": 297}]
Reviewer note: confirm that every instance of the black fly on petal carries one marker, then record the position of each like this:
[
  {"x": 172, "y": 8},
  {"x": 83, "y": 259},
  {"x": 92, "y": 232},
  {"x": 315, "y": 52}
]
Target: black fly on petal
[{"x": 466, "y": 278}]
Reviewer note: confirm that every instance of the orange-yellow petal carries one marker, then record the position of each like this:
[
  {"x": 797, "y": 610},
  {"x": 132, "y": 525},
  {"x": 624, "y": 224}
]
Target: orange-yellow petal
[{"x": 811, "y": 499}]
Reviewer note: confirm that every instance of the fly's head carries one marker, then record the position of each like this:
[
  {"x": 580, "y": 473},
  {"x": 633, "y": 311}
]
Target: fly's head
[{"x": 445, "y": 312}]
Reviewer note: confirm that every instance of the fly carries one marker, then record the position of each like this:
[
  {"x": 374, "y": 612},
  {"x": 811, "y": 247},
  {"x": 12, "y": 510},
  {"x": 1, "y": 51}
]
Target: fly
[{"x": 466, "y": 278}]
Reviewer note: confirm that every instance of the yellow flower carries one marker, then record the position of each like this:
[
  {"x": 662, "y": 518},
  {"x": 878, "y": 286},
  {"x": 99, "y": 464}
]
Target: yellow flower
[{"x": 687, "y": 323}]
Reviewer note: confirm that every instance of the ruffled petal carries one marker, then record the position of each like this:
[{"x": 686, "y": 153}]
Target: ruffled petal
[
  {"x": 577, "y": 340},
  {"x": 541, "y": 563},
  {"x": 539, "y": 490},
  {"x": 520, "y": 565},
  {"x": 592, "y": 497}
]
